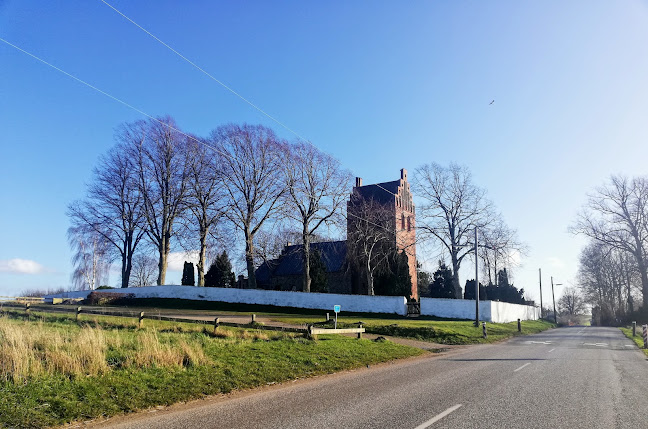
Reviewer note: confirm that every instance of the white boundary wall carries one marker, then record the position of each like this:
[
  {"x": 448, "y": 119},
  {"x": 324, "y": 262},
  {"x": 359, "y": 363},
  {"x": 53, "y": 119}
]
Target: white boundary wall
[
  {"x": 323, "y": 301},
  {"x": 489, "y": 311}
]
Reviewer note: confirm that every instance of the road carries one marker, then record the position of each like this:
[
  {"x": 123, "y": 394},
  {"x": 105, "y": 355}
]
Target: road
[{"x": 564, "y": 378}]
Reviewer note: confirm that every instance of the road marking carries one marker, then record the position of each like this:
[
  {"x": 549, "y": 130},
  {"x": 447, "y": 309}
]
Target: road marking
[
  {"x": 551, "y": 350},
  {"x": 438, "y": 417},
  {"x": 538, "y": 342},
  {"x": 528, "y": 363},
  {"x": 595, "y": 344}
]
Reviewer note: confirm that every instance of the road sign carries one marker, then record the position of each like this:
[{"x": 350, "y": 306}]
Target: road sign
[{"x": 336, "y": 308}]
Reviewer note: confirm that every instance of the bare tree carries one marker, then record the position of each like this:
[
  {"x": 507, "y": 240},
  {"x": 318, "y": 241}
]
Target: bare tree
[
  {"x": 144, "y": 268},
  {"x": 499, "y": 247},
  {"x": 452, "y": 206},
  {"x": 370, "y": 237},
  {"x": 616, "y": 215},
  {"x": 571, "y": 302},
  {"x": 113, "y": 206},
  {"x": 90, "y": 258},
  {"x": 252, "y": 178},
  {"x": 317, "y": 189},
  {"x": 161, "y": 158},
  {"x": 205, "y": 196}
]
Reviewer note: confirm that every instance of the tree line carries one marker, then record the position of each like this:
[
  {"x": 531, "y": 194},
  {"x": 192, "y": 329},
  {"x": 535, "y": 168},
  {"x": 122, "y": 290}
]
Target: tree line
[
  {"x": 159, "y": 188},
  {"x": 613, "y": 265}
]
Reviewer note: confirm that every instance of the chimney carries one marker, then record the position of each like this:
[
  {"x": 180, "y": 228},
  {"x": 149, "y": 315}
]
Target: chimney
[
  {"x": 403, "y": 174},
  {"x": 358, "y": 182}
]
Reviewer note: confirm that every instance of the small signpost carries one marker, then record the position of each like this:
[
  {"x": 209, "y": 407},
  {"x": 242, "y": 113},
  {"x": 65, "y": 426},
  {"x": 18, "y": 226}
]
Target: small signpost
[{"x": 336, "y": 308}]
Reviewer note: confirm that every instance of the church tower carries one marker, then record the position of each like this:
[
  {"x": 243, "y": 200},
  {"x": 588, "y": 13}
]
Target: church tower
[{"x": 396, "y": 198}]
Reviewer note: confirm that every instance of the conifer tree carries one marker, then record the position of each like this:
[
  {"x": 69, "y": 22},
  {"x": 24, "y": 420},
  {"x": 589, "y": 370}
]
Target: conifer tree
[
  {"x": 220, "y": 272},
  {"x": 188, "y": 278}
]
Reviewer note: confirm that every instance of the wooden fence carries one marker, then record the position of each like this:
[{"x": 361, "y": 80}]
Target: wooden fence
[{"x": 309, "y": 332}]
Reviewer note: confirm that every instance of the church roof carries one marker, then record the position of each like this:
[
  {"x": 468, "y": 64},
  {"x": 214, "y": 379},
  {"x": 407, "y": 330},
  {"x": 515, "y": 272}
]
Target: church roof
[
  {"x": 333, "y": 254},
  {"x": 381, "y": 192}
]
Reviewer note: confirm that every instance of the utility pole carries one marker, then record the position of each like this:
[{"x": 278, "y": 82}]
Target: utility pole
[
  {"x": 476, "y": 283},
  {"x": 540, "y": 274},
  {"x": 554, "y": 301}
]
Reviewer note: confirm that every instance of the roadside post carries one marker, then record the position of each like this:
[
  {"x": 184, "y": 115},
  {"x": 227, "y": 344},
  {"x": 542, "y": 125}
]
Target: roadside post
[
  {"x": 519, "y": 325},
  {"x": 78, "y": 311},
  {"x": 484, "y": 329},
  {"x": 645, "y": 336},
  {"x": 634, "y": 329},
  {"x": 216, "y": 323},
  {"x": 141, "y": 320},
  {"x": 336, "y": 308}
]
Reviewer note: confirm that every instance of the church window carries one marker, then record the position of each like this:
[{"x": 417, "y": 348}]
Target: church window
[
  {"x": 402, "y": 221},
  {"x": 409, "y": 223}
]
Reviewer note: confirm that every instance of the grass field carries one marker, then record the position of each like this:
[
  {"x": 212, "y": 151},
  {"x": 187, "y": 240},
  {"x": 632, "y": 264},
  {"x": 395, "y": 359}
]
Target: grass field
[
  {"x": 438, "y": 331},
  {"x": 54, "y": 370},
  {"x": 638, "y": 340}
]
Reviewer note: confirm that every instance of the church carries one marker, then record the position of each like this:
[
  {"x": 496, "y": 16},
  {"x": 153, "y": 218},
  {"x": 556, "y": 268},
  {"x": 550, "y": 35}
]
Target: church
[{"x": 397, "y": 221}]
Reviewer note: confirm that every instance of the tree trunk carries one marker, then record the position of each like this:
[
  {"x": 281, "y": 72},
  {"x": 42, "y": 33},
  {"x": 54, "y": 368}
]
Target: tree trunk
[
  {"x": 201, "y": 256},
  {"x": 164, "y": 249},
  {"x": 307, "y": 277},
  {"x": 124, "y": 275},
  {"x": 249, "y": 260},
  {"x": 370, "y": 286},
  {"x": 455, "y": 276}
]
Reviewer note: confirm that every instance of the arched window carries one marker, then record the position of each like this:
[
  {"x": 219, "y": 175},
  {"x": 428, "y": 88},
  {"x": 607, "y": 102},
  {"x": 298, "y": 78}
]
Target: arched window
[
  {"x": 409, "y": 223},
  {"x": 402, "y": 221}
]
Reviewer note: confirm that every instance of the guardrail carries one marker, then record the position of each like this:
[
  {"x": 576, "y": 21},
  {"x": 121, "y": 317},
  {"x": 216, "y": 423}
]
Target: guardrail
[{"x": 309, "y": 332}]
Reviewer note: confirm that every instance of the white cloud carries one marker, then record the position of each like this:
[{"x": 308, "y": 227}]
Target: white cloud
[
  {"x": 20, "y": 266},
  {"x": 176, "y": 260}
]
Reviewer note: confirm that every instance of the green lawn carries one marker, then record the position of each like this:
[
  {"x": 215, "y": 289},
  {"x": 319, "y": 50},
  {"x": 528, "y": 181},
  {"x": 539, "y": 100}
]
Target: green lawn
[
  {"x": 638, "y": 340},
  {"x": 438, "y": 331},
  {"x": 54, "y": 371}
]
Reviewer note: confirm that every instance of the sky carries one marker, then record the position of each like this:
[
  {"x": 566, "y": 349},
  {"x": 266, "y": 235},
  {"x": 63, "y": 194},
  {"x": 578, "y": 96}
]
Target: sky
[{"x": 380, "y": 85}]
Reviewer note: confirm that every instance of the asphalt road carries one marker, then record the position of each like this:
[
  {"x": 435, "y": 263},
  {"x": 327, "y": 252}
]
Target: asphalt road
[{"x": 564, "y": 378}]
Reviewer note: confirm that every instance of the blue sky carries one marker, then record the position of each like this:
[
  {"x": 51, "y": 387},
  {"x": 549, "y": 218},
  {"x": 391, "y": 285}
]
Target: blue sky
[{"x": 380, "y": 85}]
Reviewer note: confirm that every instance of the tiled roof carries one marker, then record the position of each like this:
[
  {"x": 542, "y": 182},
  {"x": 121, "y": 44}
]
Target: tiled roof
[
  {"x": 381, "y": 192},
  {"x": 333, "y": 254}
]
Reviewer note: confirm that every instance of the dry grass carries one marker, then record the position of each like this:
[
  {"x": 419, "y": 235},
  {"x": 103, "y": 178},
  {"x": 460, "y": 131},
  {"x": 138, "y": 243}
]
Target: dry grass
[{"x": 32, "y": 349}]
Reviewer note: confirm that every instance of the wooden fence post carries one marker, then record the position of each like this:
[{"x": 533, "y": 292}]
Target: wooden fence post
[
  {"x": 27, "y": 305},
  {"x": 253, "y": 318},
  {"x": 360, "y": 333},
  {"x": 216, "y": 323},
  {"x": 141, "y": 319},
  {"x": 328, "y": 318},
  {"x": 78, "y": 311}
]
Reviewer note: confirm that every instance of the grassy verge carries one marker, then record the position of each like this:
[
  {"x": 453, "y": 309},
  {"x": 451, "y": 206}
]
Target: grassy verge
[
  {"x": 438, "y": 331},
  {"x": 53, "y": 370},
  {"x": 638, "y": 340}
]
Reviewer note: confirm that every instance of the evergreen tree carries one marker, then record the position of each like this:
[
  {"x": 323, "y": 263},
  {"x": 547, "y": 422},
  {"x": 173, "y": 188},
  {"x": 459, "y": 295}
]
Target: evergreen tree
[
  {"x": 188, "y": 278},
  {"x": 319, "y": 279},
  {"x": 504, "y": 291},
  {"x": 442, "y": 285},
  {"x": 220, "y": 272},
  {"x": 396, "y": 280},
  {"x": 469, "y": 291}
]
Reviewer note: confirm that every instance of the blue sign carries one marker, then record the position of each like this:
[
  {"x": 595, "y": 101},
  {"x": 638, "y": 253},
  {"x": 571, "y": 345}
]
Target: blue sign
[{"x": 336, "y": 308}]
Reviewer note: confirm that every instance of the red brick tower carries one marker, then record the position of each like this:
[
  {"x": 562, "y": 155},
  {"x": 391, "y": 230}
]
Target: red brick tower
[{"x": 397, "y": 198}]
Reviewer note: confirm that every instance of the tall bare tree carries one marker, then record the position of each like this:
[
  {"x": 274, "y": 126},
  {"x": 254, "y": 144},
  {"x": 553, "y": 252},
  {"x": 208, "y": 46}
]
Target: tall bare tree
[
  {"x": 370, "y": 237},
  {"x": 251, "y": 160},
  {"x": 90, "y": 258},
  {"x": 161, "y": 157},
  {"x": 317, "y": 190},
  {"x": 616, "y": 215},
  {"x": 571, "y": 302},
  {"x": 499, "y": 247},
  {"x": 113, "y": 206},
  {"x": 144, "y": 269},
  {"x": 450, "y": 209},
  {"x": 205, "y": 196}
]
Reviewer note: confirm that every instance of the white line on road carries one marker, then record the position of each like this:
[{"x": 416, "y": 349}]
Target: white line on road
[
  {"x": 438, "y": 417},
  {"x": 528, "y": 363},
  {"x": 551, "y": 350}
]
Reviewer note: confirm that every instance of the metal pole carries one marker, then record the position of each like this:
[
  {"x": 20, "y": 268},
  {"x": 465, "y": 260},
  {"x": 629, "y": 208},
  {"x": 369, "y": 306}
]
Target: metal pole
[
  {"x": 476, "y": 283},
  {"x": 554, "y": 301},
  {"x": 540, "y": 273}
]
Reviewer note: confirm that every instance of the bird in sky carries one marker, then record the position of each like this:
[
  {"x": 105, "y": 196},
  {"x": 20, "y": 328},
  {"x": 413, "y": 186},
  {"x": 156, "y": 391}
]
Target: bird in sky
[{"x": 491, "y": 102}]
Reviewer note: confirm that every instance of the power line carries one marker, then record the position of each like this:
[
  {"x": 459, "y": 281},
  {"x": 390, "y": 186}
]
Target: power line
[{"x": 206, "y": 73}]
